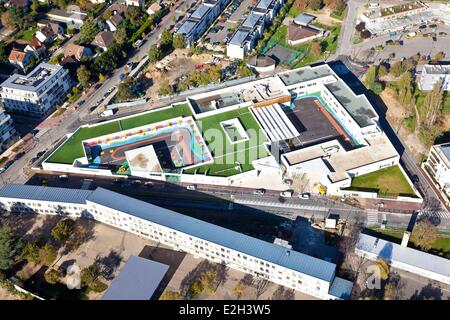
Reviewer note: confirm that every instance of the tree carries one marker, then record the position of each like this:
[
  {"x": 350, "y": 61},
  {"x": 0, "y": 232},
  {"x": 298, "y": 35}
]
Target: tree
[
  {"x": 396, "y": 69},
  {"x": 370, "y": 76},
  {"x": 315, "y": 48},
  {"x": 61, "y": 4},
  {"x": 84, "y": 76},
  {"x": 52, "y": 276},
  {"x": 165, "y": 89},
  {"x": 208, "y": 280},
  {"x": 47, "y": 254},
  {"x": 31, "y": 252},
  {"x": 433, "y": 102},
  {"x": 244, "y": 71},
  {"x": 125, "y": 90},
  {"x": 154, "y": 54},
  {"x": 315, "y": 4},
  {"x": 63, "y": 229},
  {"x": 179, "y": 41},
  {"x": 439, "y": 56},
  {"x": 3, "y": 54},
  {"x": 166, "y": 40},
  {"x": 382, "y": 71},
  {"x": 239, "y": 289},
  {"x": 424, "y": 235},
  {"x": 121, "y": 35},
  {"x": 8, "y": 21},
  {"x": 88, "y": 31},
  {"x": 195, "y": 289},
  {"x": 34, "y": 6},
  {"x": 383, "y": 268},
  {"x": 171, "y": 295},
  {"x": 261, "y": 286},
  {"x": 389, "y": 292},
  {"x": 406, "y": 89},
  {"x": 335, "y": 5},
  {"x": 8, "y": 248},
  {"x": 90, "y": 275}
]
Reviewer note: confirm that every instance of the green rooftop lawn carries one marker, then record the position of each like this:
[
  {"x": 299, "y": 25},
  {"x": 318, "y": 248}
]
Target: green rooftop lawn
[
  {"x": 73, "y": 149},
  {"x": 388, "y": 181},
  {"x": 226, "y": 154}
]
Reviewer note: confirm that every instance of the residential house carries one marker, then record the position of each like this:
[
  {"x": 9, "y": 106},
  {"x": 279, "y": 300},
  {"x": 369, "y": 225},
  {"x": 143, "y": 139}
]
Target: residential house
[
  {"x": 114, "y": 22},
  {"x": 36, "y": 47},
  {"x": 438, "y": 166},
  {"x": 117, "y": 8},
  {"x": 154, "y": 8},
  {"x": 49, "y": 32},
  {"x": 104, "y": 40},
  {"x": 20, "y": 59},
  {"x": 135, "y": 3},
  {"x": 19, "y": 3},
  {"x": 299, "y": 33},
  {"x": 76, "y": 51},
  {"x": 73, "y": 16}
]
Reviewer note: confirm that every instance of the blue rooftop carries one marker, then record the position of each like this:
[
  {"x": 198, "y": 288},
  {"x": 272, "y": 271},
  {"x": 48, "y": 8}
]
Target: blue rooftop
[
  {"x": 25, "y": 192},
  {"x": 137, "y": 280},
  {"x": 227, "y": 238}
]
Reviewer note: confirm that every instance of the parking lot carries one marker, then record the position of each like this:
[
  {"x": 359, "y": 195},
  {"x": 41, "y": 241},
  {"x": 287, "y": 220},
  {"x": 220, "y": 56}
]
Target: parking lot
[{"x": 427, "y": 41}]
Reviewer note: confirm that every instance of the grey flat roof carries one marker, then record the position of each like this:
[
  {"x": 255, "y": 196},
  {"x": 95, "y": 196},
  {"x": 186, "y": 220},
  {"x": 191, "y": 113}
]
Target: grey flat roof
[
  {"x": 34, "y": 80},
  {"x": 304, "y": 18},
  {"x": 305, "y": 74},
  {"x": 29, "y": 192},
  {"x": 251, "y": 20},
  {"x": 200, "y": 11},
  {"x": 137, "y": 280},
  {"x": 341, "y": 288},
  {"x": 391, "y": 251},
  {"x": 236, "y": 241},
  {"x": 445, "y": 148},
  {"x": 187, "y": 27},
  {"x": 264, "y": 4},
  {"x": 239, "y": 37},
  {"x": 357, "y": 106}
]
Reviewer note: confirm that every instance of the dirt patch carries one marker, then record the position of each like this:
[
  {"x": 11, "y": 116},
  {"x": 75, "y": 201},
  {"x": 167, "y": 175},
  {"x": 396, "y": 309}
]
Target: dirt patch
[
  {"x": 323, "y": 16},
  {"x": 396, "y": 115}
]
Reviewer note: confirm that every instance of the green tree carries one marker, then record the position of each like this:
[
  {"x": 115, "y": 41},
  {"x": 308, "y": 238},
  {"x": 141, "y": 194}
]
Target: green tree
[
  {"x": 390, "y": 292},
  {"x": 3, "y": 54},
  {"x": 406, "y": 89},
  {"x": 47, "y": 254},
  {"x": 315, "y": 4},
  {"x": 61, "y": 4},
  {"x": 209, "y": 281},
  {"x": 383, "y": 268},
  {"x": 52, "y": 276},
  {"x": 171, "y": 295},
  {"x": 396, "y": 69},
  {"x": 34, "y": 6},
  {"x": 439, "y": 56},
  {"x": 370, "y": 76},
  {"x": 90, "y": 274},
  {"x": 433, "y": 103},
  {"x": 125, "y": 90},
  {"x": 179, "y": 41},
  {"x": 31, "y": 252},
  {"x": 382, "y": 71},
  {"x": 154, "y": 54},
  {"x": 84, "y": 76},
  {"x": 63, "y": 229},
  {"x": 8, "y": 248},
  {"x": 239, "y": 289},
  {"x": 195, "y": 289},
  {"x": 166, "y": 40},
  {"x": 88, "y": 31},
  {"x": 424, "y": 235},
  {"x": 121, "y": 35},
  {"x": 165, "y": 89}
]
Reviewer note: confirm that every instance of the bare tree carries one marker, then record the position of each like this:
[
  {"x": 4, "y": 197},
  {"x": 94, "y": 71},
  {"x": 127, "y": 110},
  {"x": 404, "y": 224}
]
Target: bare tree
[
  {"x": 261, "y": 286},
  {"x": 433, "y": 103}
]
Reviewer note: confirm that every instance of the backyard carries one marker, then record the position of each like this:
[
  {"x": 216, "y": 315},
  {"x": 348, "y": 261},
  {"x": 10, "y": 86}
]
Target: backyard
[{"x": 388, "y": 181}]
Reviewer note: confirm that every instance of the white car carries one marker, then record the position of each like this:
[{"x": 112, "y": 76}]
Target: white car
[
  {"x": 305, "y": 196},
  {"x": 286, "y": 194},
  {"x": 190, "y": 187}
]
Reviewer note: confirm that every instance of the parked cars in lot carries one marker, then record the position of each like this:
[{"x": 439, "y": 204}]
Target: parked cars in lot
[
  {"x": 259, "y": 191},
  {"x": 286, "y": 194}
]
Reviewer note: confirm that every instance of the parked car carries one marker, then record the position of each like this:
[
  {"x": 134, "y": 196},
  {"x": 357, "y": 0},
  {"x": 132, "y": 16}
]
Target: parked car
[
  {"x": 19, "y": 155},
  {"x": 41, "y": 153},
  {"x": 63, "y": 177},
  {"x": 259, "y": 191},
  {"x": 191, "y": 187},
  {"x": 6, "y": 166},
  {"x": 305, "y": 196},
  {"x": 122, "y": 76},
  {"x": 286, "y": 194}
]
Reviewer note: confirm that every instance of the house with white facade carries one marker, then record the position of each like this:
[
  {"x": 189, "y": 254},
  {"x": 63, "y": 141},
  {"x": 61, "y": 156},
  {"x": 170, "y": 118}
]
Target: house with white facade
[
  {"x": 8, "y": 133},
  {"x": 438, "y": 166},
  {"x": 259, "y": 258},
  {"x": 22, "y": 59},
  {"x": 432, "y": 74},
  {"x": 200, "y": 18},
  {"x": 37, "y": 93},
  {"x": 250, "y": 30}
]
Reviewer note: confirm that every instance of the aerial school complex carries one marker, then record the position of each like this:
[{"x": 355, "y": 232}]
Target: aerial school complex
[{"x": 305, "y": 121}]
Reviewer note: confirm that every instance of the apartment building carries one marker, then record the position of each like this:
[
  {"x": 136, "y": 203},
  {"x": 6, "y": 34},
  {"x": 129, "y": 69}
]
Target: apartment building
[
  {"x": 8, "y": 134},
  {"x": 432, "y": 74},
  {"x": 37, "y": 93},
  {"x": 273, "y": 262},
  {"x": 438, "y": 166},
  {"x": 251, "y": 29},
  {"x": 200, "y": 18}
]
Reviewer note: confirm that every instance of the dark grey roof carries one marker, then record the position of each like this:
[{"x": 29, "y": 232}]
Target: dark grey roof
[
  {"x": 138, "y": 280},
  {"x": 28, "y": 192},
  {"x": 251, "y": 20},
  {"x": 227, "y": 238},
  {"x": 446, "y": 150},
  {"x": 239, "y": 37}
]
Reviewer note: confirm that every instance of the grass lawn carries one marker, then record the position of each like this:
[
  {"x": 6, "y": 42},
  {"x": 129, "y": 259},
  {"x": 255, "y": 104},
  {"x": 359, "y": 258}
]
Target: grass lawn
[
  {"x": 387, "y": 181},
  {"x": 27, "y": 35},
  {"x": 72, "y": 148},
  {"x": 225, "y": 154}
]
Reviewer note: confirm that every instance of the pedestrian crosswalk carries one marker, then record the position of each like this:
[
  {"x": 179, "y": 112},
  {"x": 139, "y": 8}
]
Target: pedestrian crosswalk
[
  {"x": 434, "y": 214},
  {"x": 372, "y": 217}
]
